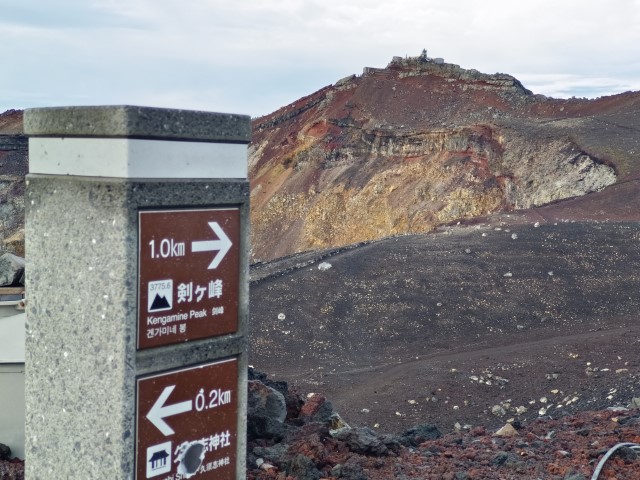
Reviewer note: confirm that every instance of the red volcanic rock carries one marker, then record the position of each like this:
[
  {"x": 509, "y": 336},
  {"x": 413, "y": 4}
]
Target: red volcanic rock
[
  {"x": 12, "y": 469},
  {"x": 569, "y": 447},
  {"x": 312, "y": 405}
]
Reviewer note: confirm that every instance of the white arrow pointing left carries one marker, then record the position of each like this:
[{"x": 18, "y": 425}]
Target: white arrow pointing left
[{"x": 160, "y": 411}]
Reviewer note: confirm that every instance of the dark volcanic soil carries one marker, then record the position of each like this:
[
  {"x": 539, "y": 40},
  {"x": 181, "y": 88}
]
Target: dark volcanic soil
[{"x": 471, "y": 326}]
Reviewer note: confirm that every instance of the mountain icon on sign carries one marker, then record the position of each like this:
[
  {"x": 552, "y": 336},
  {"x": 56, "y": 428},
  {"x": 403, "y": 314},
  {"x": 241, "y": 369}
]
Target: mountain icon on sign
[
  {"x": 160, "y": 303},
  {"x": 160, "y": 295}
]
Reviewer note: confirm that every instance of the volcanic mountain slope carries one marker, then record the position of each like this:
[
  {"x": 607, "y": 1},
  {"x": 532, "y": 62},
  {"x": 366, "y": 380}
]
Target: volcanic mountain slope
[
  {"x": 518, "y": 316},
  {"x": 13, "y": 167},
  {"x": 11, "y": 122},
  {"x": 419, "y": 144}
]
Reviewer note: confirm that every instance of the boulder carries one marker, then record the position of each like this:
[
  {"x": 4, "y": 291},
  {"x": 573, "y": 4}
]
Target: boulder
[
  {"x": 266, "y": 412},
  {"x": 11, "y": 270},
  {"x": 317, "y": 409},
  {"x": 362, "y": 440},
  {"x": 302, "y": 468},
  {"x": 292, "y": 399},
  {"x": 5, "y": 452},
  {"x": 419, "y": 434}
]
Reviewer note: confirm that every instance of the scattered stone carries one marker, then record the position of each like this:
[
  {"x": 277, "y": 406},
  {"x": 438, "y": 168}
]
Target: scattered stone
[
  {"x": 498, "y": 410},
  {"x": 271, "y": 454},
  {"x": 508, "y": 275},
  {"x": 499, "y": 459},
  {"x": 349, "y": 471},
  {"x": 362, "y": 440},
  {"x": 627, "y": 454},
  {"x": 419, "y": 434},
  {"x": 303, "y": 468},
  {"x": 574, "y": 476},
  {"x": 336, "y": 422},
  {"x": 324, "y": 266},
  {"x": 266, "y": 466},
  {"x": 506, "y": 431}
]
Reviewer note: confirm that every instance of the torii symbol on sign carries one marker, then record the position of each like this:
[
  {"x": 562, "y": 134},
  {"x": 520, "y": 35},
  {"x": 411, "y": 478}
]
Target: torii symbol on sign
[{"x": 223, "y": 244}]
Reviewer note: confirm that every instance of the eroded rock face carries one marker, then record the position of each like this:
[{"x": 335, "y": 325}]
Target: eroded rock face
[
  {"x": 414, "y": 146},
  {"x": 14, "y": 166}
]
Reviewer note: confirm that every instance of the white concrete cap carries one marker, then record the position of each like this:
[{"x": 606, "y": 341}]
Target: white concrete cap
[
  {"x": 136, "y": 158},
  {"x": 137, "y": 142}
]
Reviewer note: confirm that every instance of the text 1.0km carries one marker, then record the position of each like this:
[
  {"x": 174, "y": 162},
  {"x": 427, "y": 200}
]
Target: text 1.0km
[{"x": 167, "y": 248}]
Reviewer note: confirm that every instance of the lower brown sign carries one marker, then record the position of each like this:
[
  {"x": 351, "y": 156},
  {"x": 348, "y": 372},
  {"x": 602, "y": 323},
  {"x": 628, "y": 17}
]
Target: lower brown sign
[{"x": 186, "y": 423}]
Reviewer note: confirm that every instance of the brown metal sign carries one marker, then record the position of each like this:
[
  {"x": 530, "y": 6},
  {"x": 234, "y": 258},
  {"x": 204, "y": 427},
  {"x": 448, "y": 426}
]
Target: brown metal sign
[
  {"x": 188, "y": 274},
  {"x": 186, "y": 423}
]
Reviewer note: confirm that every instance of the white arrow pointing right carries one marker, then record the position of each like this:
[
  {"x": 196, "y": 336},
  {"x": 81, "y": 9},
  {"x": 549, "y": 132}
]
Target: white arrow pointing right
[
  {"x": 223, "y": 244},
  {"x": 159, "y": 411}
]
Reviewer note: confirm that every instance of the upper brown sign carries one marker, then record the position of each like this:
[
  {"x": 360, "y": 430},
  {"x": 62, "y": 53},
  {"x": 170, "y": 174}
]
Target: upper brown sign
[
  {"x": 188, "y": 274},
  {"x": 187, "y": 423}
]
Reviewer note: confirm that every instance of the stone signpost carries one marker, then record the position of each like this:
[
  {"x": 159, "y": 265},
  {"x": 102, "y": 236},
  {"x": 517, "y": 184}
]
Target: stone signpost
[{"x": 137, "y": 293}]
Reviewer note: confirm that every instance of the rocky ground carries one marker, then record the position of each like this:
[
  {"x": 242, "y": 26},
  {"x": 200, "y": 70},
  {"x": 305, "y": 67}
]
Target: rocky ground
[
  {"x": 10, "y": 468},
  {"x": 291, "y": 437},
  {"x": 296, "y": 437},
  {"x": 528, "y": 319},
  {"x": 448, "y": 328}
]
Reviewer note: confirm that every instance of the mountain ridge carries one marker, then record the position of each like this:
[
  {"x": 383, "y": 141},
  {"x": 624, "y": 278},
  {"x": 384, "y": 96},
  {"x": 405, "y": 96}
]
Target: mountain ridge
[{"x": 420, "y": 144}]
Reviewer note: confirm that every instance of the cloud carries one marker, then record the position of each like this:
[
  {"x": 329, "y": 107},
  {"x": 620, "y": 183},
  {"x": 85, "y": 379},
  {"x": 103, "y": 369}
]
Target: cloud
[
  {"x": 566, "y": 86},
  {"x": 256, "y": 56}
]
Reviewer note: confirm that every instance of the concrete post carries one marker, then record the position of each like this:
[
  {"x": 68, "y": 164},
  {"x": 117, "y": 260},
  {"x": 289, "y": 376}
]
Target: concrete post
[{"x": 137, "y": 293}]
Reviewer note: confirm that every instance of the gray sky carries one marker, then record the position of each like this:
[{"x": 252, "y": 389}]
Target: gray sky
[{"x": 254, "y": 56}]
